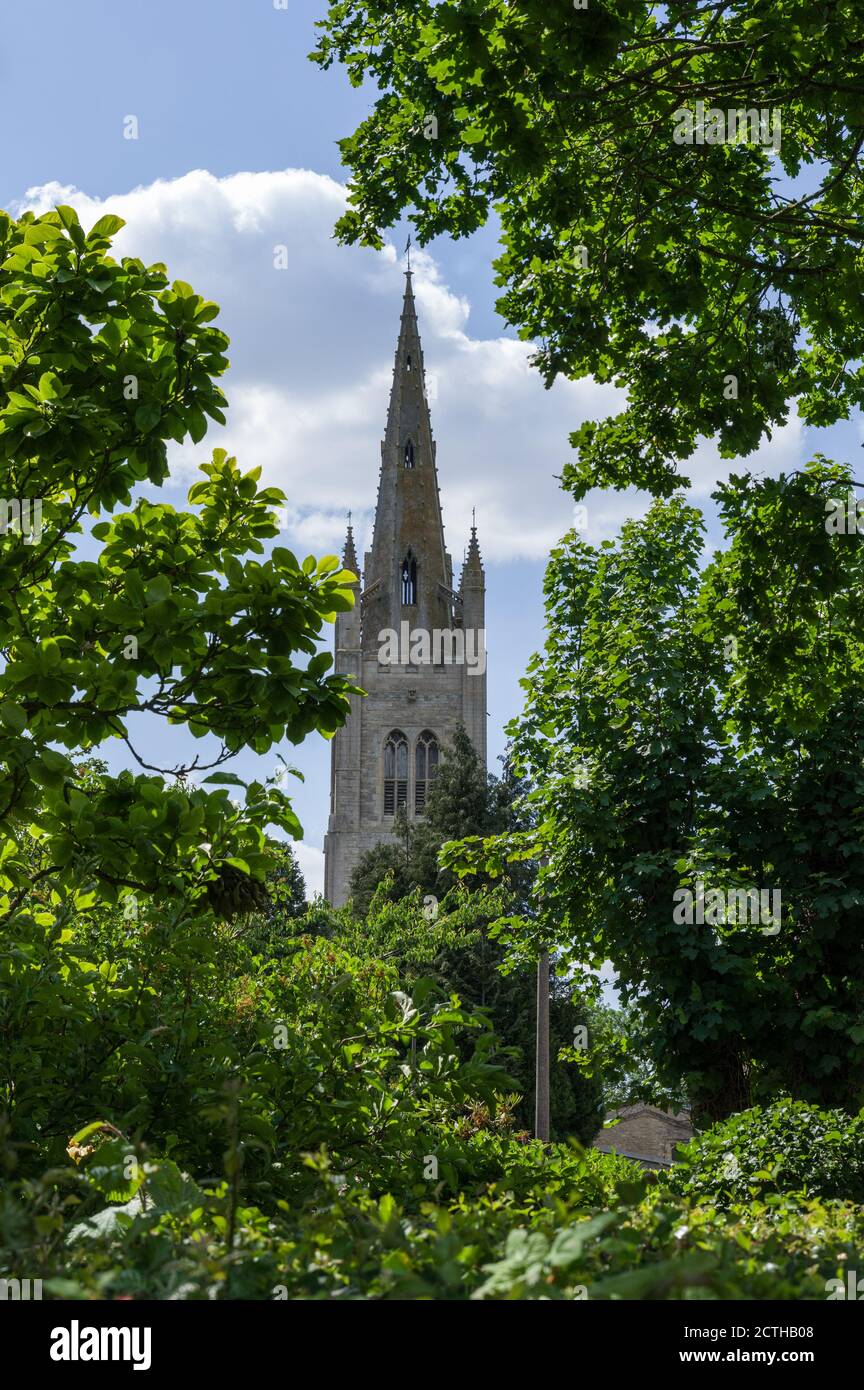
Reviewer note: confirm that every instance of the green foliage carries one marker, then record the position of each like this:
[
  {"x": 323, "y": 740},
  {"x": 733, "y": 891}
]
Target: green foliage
[
  {"x": 386, "y": 863},
  {"x": 660, "y": 1248},
  {"x": 662, "y": 755},
  {"x": 787, "y": 1147},
  {"x": 456, "y": 947},
  {"x": 317, "y": 1048},
  {"x": 659, "y": 266},
  {"x": 554, "y": 1226},
  {"x": 285, "y": 914},
  {"x": 619, "y": 1052},
  {"x": 155, "y": 611},
  {"x": 244, "y": 1127}
]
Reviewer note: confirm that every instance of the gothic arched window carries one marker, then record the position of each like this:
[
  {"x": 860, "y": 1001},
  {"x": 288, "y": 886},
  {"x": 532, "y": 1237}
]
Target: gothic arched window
[
  {"x": 409, "y": 454},
  {"x": 395, "y": 772},
  {"x": 408, "y": 362},
  {"x": 409, "y": 580},
  {"x": 425, "y": 768}
]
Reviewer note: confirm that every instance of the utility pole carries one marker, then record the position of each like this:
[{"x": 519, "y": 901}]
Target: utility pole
[{"x": 541, "y": 1080}]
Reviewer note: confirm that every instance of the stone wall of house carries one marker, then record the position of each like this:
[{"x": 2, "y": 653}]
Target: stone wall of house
[{"x": 645, "y": 1132}]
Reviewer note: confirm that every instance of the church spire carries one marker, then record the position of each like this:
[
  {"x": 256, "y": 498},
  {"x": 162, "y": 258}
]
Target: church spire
[
  {"x": 473, "y": 560},
  {"x": 408, "y": 374},
  {"x": 472, "y": 583},
  {"x": 386, "y": 754},
  {"x": 409, "y": 575},
  {"x": 349, "y": 554}
]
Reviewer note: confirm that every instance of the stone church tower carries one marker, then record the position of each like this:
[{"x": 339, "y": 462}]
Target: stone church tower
[{"x": 387, "y": 753}]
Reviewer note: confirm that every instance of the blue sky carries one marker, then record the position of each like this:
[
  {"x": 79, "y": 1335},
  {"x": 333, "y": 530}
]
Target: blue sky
[
  {"x": 222, "y": 85},
  {"x": 236, "y": 154}
]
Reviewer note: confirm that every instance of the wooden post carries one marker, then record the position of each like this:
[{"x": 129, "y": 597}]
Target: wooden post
[{"x": 541, "y": 1082}]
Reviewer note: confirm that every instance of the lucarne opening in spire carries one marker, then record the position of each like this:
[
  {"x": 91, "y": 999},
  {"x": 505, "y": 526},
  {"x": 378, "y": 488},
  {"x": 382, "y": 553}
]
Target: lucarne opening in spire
[{"x": 409, "y": 580}]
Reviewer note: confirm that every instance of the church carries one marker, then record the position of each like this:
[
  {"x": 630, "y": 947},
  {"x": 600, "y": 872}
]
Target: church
[{"x": 412, "y": 642}]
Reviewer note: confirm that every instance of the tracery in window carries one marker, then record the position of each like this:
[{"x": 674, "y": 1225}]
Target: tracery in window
[
  {"x": 425, "y": 768},
  {"x": 395, "y": 772}
]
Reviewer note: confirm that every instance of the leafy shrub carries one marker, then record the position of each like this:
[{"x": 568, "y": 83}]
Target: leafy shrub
[
  {"x": 268, "y": 1125},
  {"x": 179, "y": 1039},
  {"x": 526, "y": 1170},
  {"x": 785, "y": 1147},
  {"x": 574, "y": 1232},
  {"x": 664, "y": 1247}
]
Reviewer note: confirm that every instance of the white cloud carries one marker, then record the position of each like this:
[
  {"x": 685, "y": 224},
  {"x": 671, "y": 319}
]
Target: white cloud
[{"x": 312, "y": 355}]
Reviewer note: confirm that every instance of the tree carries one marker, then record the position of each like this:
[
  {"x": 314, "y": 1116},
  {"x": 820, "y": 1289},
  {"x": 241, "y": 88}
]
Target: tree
[
  {"x": 641, "y": 160},
  {"x": 463, "y": 956},
  {"x": 692, "y": 737},
  {"x": 270, "y": 928},
  {"x": 385, "y": 861},
  {"x": 156, "y": 611},
  {"x": 286, "y": 883},
  {"x": 618, "y": 1049}
]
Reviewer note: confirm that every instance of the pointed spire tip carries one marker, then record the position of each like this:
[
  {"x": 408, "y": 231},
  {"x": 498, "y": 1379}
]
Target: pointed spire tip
[{"x": 349, "y": 554}]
